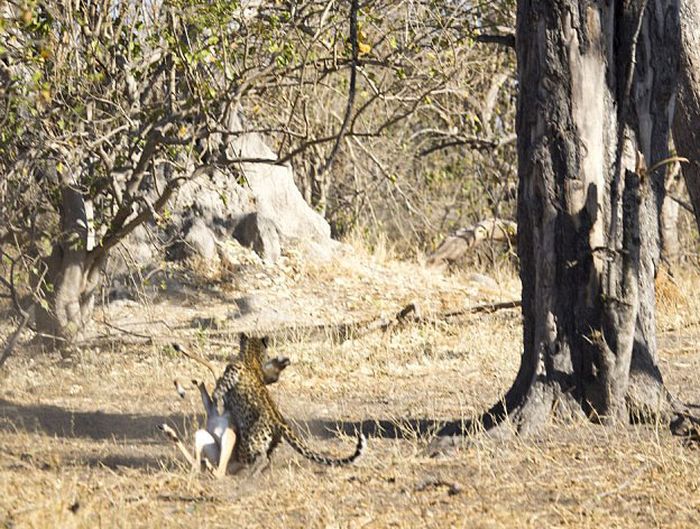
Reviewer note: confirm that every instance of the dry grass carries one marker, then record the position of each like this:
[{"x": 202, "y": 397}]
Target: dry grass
[{"x": 78, "y": 446}]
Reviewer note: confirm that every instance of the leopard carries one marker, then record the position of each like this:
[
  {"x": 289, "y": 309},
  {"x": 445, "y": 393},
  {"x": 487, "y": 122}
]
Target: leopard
[
  {"x": 272, "y": 367},
  {"x": 217, "y": 440},
  {"x": 258, "y": 422}
]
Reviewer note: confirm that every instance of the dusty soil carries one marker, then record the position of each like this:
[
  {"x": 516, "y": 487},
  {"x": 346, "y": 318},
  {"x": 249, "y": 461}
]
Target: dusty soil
[{"x": 79, "y": 447}]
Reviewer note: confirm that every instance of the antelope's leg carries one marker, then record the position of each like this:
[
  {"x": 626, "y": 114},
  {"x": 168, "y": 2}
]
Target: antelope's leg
[
  {"x": 206, "y": 399},
  {"x": 172, "y": 434},
  {"x": 205, "y": 442},
  {"x": 228, "y": 441}
]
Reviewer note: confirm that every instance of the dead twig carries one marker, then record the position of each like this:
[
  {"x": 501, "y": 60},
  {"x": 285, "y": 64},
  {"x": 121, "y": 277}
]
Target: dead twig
[
  {"x": 342, "y": 332},
  {"x": 125, "y": 331},
  {"x": 410, "y": 313}
]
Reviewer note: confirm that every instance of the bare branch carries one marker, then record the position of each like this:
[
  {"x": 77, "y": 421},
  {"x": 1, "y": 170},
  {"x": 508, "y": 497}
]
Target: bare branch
[
  {"x": 507, "y": 41},
  {"x": 354, "y": 8},
  {"x": 12, "y": 341}
]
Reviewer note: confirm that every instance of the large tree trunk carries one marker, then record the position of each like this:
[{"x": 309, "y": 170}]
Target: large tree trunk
[
  {"x": 597, "y": 85},
  {"x": 686, "y": 132},
  {"x": 597, "y": 81}
]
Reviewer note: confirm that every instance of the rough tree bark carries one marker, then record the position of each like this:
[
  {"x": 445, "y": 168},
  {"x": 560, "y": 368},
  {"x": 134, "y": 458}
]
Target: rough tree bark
[
  {"x": 686, "y": 133},
  {"x": 597, "y": 84},
  {"x": 596, "y": 101}
]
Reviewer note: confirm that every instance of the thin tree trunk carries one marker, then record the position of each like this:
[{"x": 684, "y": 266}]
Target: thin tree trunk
[
  {"x": 72, "y": 277},
  {"x": 686, "y": 133},
  {"x": 314, "y": 183},
  {"x": 670, "y": 210}
]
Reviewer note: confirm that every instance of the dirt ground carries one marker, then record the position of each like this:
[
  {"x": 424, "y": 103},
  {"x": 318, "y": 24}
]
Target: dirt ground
[{"x": 79, "y": 445}]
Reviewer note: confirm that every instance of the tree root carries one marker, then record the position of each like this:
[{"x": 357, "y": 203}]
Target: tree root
[
  {"x": 528, "y": 411},
  {"x": 647, "y": 399},
  {"x": 684, "y": 423}
]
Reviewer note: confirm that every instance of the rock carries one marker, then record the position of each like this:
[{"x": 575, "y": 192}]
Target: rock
[
  {"x": 484, "y": 281},
  {"x": 235, "y": 257},
  {"x": 277, "y": 197},
  {"x": 245, "y": 305},
  {"x": 259, "y": 233},
  {"x": 136, "y": 251},
  {"x": 217, "y": 199},
  {"x": 200, "y": 239},
  {"x": 266, "y": 213},
  {"x": 254, "y": 203}
]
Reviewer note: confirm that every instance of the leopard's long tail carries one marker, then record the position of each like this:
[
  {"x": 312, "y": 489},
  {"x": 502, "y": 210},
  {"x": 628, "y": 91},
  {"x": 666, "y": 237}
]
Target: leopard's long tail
[{"x": 300, "y": 446}]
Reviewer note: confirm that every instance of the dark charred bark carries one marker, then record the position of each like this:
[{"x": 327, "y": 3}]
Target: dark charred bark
[
  {"x": 596, "y": 101},
  {"x": 597, "y": 85}
]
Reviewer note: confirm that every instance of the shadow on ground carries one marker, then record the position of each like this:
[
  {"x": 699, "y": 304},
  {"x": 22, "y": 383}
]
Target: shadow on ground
[
  {"x": 97, "y": 425},
  {"x": 60, "y": 422}
]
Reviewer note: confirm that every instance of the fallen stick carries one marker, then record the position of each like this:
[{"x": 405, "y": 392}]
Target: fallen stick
[{"x": 488, "y": 307}]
